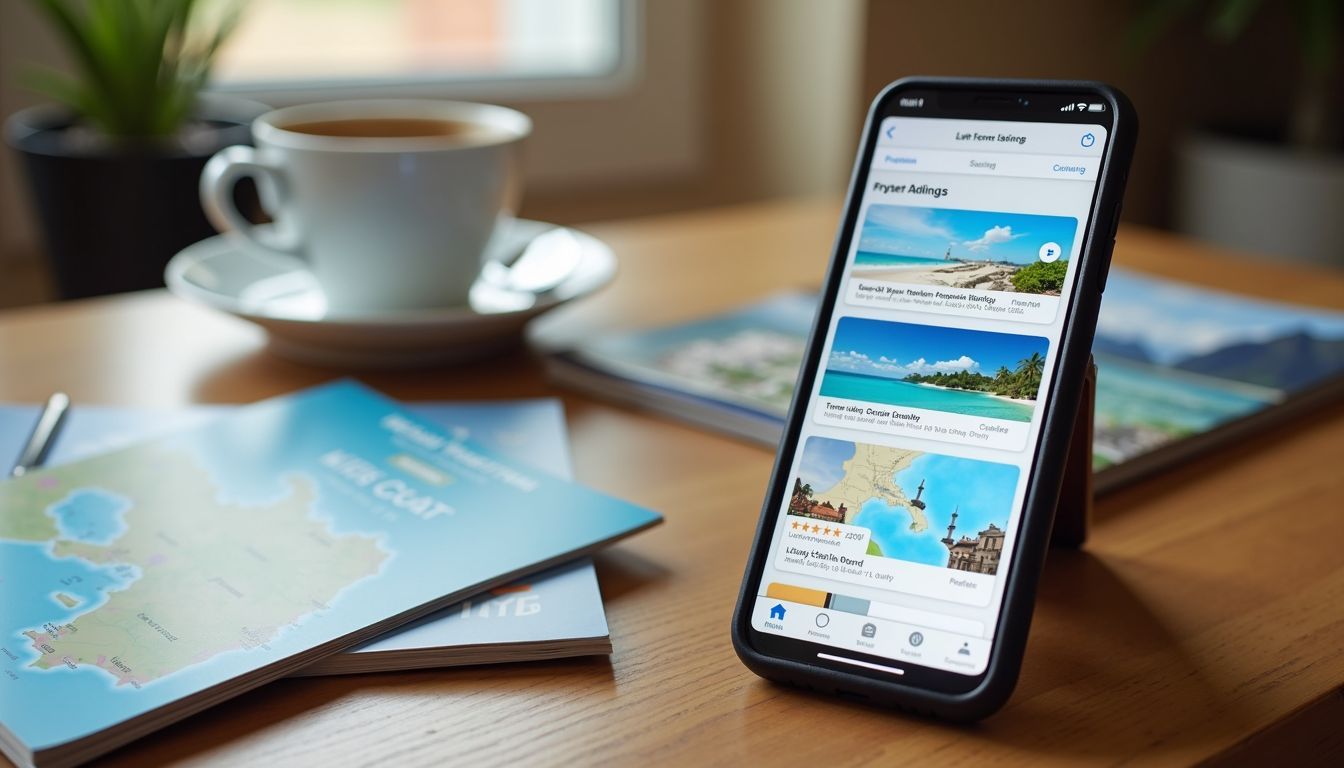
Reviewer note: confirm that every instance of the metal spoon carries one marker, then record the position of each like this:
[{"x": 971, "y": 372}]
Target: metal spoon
[{"x": 543, "y": 265}]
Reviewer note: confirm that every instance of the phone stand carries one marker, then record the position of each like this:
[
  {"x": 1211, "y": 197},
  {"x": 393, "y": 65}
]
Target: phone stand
[{"x": 1073, "y": 514}]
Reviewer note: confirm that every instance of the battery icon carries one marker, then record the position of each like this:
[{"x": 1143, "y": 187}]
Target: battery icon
[{"x": 1096, "y": 107}]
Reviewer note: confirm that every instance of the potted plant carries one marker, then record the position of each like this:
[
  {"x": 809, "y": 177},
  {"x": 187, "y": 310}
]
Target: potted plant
[
  {"x": 113, "y": 166},
  {"x": 1276, "y": 189}
]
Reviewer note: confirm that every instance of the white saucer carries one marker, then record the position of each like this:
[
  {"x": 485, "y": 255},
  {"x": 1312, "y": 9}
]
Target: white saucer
[{"x": 290, "y": 304}]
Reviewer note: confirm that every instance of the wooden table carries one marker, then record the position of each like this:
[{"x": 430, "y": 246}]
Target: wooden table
[{"x": 1204, "y": 620}]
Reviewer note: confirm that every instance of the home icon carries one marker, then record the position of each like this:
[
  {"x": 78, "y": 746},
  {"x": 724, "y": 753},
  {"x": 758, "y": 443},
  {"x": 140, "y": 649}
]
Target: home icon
[{"x": 777, "y": 612}]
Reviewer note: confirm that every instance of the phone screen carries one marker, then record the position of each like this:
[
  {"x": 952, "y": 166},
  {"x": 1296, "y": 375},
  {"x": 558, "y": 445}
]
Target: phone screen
[{"x": 890, "y": 547}]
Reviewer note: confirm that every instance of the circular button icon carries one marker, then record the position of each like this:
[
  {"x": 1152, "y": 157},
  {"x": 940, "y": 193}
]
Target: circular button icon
[
  {"x": 1088, "y": 140},
  {"x": 916, "y": 639},
  {"x": 823, "y": 619},
  {"x": 1049, "y": 252}
]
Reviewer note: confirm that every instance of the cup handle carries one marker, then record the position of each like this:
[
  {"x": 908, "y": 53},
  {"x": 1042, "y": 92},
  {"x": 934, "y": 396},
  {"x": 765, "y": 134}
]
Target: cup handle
[{"x": 218, "y": 178}]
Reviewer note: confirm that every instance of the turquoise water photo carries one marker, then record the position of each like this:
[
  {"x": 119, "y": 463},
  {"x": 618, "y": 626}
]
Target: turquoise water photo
[
  {"x": 876, "y": 389},
  {"x": 957, "y": 370},
  {"x": 871, "y": 259}
]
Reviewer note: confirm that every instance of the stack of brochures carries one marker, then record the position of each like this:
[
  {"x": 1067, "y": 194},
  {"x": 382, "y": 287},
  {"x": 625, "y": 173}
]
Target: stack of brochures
[
  {"x": 1180, "y": 369},
  {"x": 164, "y": 562}
]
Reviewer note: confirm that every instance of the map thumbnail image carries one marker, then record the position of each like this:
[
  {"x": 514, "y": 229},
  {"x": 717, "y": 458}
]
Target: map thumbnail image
[
  {"x": 919, "y": 507},
  {"x": 974, "y": 373},
  {"x": 965, "y": 249}
]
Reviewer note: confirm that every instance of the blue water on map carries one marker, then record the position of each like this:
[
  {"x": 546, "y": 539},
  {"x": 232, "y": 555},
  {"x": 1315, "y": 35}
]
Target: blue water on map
[
  {"x": 980, "y": 492},
  {"x": 871, "y": 259},
  {"x": 263, "y": 454},
  {"x": 91, "y": 516},
  {"x": 875, "y": 389},
  {"x": 31, "y": 565}
]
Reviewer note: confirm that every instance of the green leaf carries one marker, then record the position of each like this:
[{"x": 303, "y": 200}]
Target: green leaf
[
  {"x": 140, "y": 66},
  {"x": 1319, "y": 24},
  {"x": 1227, "y": 23},
  {"x": 1155, "y": 20},
  {"x": 62, "y": 88}
]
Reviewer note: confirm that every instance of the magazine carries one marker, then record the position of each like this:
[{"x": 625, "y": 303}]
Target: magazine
[
  {"x": 148, "y": 583},
  {"x": 1180, "y": 369},
  {"x": 555, "y": 614}
]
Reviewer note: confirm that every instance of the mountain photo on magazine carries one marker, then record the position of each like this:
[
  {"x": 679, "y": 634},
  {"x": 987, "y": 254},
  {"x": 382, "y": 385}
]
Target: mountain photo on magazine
[{"x": 1175, "y": 360}]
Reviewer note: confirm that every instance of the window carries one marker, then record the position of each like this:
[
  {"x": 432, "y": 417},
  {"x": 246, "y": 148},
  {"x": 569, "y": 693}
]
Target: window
[
  {"x": 308, "y": 45},
  {"x": 612, "y": 86}
]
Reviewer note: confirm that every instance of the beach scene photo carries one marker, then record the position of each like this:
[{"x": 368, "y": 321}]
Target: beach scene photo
[
  {"x": 918, "y": 507},
  {"x": 956, "y": 370},
  {"x": 981, "y": 250}
]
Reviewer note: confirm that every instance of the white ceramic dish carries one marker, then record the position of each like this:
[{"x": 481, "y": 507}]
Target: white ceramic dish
[{"x": 291, "y": 306}]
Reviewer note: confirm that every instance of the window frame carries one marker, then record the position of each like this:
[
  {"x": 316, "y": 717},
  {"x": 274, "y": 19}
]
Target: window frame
[{"x": 619, "y": 78}]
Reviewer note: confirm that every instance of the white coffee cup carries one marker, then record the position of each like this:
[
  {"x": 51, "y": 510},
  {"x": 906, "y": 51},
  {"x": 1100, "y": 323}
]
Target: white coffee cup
[{"x": 389, "y": 203}]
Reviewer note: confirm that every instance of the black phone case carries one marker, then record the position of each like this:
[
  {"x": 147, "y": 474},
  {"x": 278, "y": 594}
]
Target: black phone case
[{"x": 1047, "y": 472}]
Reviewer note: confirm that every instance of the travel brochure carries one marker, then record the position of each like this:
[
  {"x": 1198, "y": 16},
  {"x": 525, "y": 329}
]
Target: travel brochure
[
  {"x": 555, "y": 614},
  {"x": 1180, "y": 368},
  {"x": 141, "y": 585}
]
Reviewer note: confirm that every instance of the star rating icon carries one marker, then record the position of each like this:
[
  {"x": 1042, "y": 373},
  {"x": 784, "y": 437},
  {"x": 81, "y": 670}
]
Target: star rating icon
[{"x": 806, "y": 527}]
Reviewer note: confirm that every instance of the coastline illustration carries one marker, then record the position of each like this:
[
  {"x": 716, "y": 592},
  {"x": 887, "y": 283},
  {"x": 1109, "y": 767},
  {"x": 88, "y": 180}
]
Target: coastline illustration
[
  {"x": 965, "y": 249},
  {"x": 974, "y": 373},
  {"x": 918, "y": 507}
]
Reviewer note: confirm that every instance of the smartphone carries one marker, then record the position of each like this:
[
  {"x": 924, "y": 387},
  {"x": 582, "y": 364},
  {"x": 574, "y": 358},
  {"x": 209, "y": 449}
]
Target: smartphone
[{"x": 908, "y": 514}]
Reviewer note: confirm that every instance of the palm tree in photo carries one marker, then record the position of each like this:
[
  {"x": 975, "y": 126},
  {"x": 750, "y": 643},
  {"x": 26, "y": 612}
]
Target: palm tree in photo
[
  {"x": 1032, "y": 367},
  {"x": 1003, "y": 380},
  {"x": 1028, "y": 375}
]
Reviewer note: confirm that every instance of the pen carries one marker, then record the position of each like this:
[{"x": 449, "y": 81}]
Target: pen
[{"x": 44, "y": 434}]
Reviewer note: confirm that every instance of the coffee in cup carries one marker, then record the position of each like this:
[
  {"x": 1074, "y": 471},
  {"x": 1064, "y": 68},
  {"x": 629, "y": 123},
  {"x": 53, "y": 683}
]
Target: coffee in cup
[{"x": 390, "y": 203}]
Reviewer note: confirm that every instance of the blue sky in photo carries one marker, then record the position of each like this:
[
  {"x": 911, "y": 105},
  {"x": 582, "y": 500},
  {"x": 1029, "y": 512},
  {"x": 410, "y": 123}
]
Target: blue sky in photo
[
  {"x": 974, "y": 235},
  {"x": 822, "y": 457},
  {"x": 896, "y": 350}
]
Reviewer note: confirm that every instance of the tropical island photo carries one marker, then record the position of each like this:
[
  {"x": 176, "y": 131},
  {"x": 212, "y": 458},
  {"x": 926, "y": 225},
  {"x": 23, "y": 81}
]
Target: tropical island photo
[
  {"x": 975, "y": 373},
  {"x": 965, "y": 249}
]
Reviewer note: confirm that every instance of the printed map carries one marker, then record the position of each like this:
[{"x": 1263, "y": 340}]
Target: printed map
[{"x": 184, "y": 576}]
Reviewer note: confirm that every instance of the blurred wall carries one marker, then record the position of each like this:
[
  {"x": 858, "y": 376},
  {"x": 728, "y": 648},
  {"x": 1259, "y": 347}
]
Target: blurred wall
[
  {"x": 23, "y": 44},
  {"x": 781, "y": 106},
  {"x": 1186, "y": 80}
]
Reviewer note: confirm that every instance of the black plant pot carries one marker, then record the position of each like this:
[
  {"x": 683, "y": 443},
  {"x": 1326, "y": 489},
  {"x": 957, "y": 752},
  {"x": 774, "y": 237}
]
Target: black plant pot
[{"x": 113, "y": 213}]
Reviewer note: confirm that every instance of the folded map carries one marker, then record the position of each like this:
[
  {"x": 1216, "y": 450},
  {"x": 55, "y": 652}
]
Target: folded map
[
  {"x": 210, "y": 561},
  {"x": 555, "y": 614}
]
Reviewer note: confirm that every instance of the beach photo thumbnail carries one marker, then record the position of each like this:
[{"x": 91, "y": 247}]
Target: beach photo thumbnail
[
  {"x": 918, "y": 507},
  {"x": 955, "y": 370},
  {"x": 981, "y": 250}
]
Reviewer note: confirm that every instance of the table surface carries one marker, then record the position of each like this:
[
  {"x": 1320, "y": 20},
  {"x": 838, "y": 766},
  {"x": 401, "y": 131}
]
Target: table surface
[{"x": 1203, "y": 619}]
